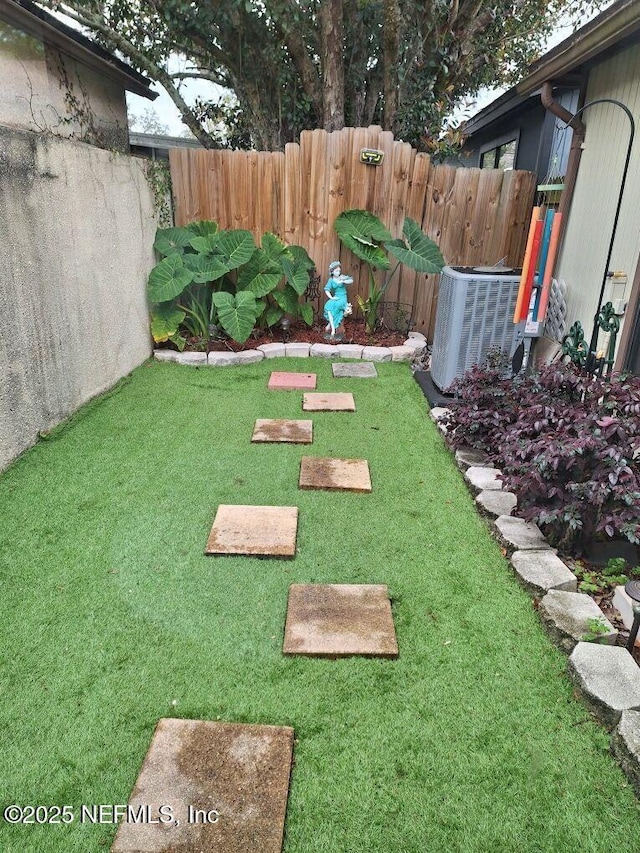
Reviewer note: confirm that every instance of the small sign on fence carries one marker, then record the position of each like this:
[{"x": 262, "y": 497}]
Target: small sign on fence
[{"x": 371, "y": 156}]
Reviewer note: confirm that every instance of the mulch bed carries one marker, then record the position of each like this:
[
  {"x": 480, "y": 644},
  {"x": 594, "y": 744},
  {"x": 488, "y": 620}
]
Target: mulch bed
[{"x": 355, "y": 333}]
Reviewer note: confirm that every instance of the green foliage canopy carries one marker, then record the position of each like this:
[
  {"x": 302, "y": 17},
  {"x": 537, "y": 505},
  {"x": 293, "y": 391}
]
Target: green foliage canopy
[{"x": 326, "y": 63}]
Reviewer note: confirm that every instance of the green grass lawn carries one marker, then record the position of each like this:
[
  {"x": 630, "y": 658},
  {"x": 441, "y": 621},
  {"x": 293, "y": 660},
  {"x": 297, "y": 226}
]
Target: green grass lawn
[{"x": 112, "y": 617}]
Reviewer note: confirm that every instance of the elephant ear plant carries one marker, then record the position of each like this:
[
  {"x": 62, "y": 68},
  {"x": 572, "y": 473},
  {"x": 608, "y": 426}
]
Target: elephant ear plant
[
  {"x": 208, "y": 276},
  {"x": 365, "y": 235}
]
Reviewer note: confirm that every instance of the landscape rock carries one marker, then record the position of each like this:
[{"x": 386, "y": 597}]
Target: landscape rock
[
  {"x": 297, "y": 350},
  {"x": 608, "y": 679},
  {"x": 625, "y": 745},
  {"x": 468, "y": 456},
  {"x": 482, "y": 479},
  {"x": 222, "y": 359},
  {"x": 402, "y": 353},
  {"x": 519, "y": 534},
  {"x": 322, "y": 351},
  {"x": 495, "y": 503},
  {"x": 249, "y": 356},
  {"x": 540, "y": 571},
  {"x": 417, "y": 336},
  {"x": 164, "y": 354},
  {"x": 273, "y": 350},
  {"x": 568, "y": 617},
  {"x": 415, "y": 344},
  {"x": 376, "y": 353},
  {"x": 437, "y": 413},
  {"x": 191, "y": 358},
  {"x": 349, "y": 351}
]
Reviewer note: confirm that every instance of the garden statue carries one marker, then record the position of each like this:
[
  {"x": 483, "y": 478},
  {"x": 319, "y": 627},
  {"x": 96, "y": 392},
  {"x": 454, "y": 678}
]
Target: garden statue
[{"x": 337, "y": 306}]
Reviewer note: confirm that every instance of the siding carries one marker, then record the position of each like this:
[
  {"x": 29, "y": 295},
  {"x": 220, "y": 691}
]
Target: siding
[{"x": 590, "y": 221}]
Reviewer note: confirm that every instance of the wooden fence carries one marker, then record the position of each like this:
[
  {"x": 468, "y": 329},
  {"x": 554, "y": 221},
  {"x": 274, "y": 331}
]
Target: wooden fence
[{"x": 476, "y": 216}]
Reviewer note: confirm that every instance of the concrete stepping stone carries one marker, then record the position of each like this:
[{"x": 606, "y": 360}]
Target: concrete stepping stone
[
  {"x": 482, "y": 479},
  {"x": 625, "y": 745},
  {"x": 342, "y": 402},
  {"x": 225, "y": 786},
  {"x": 357, "y": 370},
  {"x": 495, "y": 503},
  {"x": 569, "y": 618},
  {"x": 344, "y": 475},
  {"x": 279, "y": 430},
  {"x": 337, "y": 620},
  {"x": 540, "y": 571},
  {"x": 289, "y": 381},
  {"x": 608, "y": 679},
  {"x": 520, "y": 534},
  {"x": 264, "y": 531}
]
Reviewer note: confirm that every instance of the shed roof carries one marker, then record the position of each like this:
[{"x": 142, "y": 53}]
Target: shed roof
[{"x": 26, "y": 16}]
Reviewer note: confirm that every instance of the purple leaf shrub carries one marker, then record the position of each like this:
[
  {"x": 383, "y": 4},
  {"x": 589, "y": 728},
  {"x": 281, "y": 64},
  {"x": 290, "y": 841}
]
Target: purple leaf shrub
[{"x": 567, "y": 443}]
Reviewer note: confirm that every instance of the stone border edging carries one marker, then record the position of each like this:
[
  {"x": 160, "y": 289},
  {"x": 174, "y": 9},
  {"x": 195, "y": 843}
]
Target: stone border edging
[
  {"x": 605, "y": 675},
  {"x": 414, "y": 344}
]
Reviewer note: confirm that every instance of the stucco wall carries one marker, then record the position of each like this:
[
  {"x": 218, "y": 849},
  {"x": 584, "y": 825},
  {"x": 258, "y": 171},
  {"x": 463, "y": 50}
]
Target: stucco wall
[
  {"x": 76, "y": 232},
  {"x": 50, "y": 92}
]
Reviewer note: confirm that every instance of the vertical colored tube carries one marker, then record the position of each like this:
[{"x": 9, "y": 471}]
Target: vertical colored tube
[
  {"x": 544, "y": 251},
  {"x": 535, "y": 215},
  {"x": 528, "y": 287},
  {"x": 548, "y": 270}
]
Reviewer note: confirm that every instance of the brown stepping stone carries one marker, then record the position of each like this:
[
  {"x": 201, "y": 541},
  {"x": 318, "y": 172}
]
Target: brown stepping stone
[
  {"x": 338, "y": 402},
  {"x": 287, "y": 381},
  {"x": 337, "y": 620},
  {"x": 267, "y": 531},
  {"x": 346, "y": 475},
  {"x": 223, "y": 786},
  {"x": 280, "y": 430}
]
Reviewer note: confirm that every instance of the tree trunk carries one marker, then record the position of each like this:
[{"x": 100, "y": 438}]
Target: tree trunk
[
  {"x": 391, "y": 46},
  {"x": 330, "y": 16}
]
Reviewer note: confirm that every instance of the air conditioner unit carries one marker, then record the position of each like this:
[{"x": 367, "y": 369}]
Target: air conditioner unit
[{"x": 475, "y": 312}]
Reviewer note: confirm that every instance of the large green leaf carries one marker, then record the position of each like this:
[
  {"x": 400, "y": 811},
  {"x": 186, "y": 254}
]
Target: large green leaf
[
  {"x": 273, "y": 246},
  {"x": 205, "y": 268},
  {"x": 306, "y": 312},
  {"x": 165, "y": 320},
  {"x": 287, "y": 299},
  {"x": 172, "y": 241},
  {"x": 362, "y": 232},
  {"x": 297, "y": 275},
  {"x": 207, "y": 244},
  {"x": 235, "y": 247},
  {"x": 204, "y": 228},
  {"x": 273, "y": 314},
  {"x": 237, "y": 314},
  {"x": 300, "y": 256},
  {"x": 261, "y": 275},
  {"x": 168, "y": 279},
  {"x": 422, "y": 254}
]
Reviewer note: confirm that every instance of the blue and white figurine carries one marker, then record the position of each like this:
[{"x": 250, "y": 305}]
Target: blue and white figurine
[{"x": 337, "y": 306}]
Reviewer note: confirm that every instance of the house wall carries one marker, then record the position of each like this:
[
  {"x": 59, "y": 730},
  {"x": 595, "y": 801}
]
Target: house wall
[
  {"x": 77, "y": 225},
  {"x": 47, "y": 91},
  {"x": 590, "y": 222}
]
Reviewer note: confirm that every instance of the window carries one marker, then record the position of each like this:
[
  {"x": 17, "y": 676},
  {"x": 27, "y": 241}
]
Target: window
[{"x": 501, "y": 156}]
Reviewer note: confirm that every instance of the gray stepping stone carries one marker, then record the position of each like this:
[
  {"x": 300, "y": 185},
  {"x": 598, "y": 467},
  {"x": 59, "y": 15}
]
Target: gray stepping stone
[
  {"x": 625, "y": 745},
  {"x": 540, "y": 571},
  {"x": 519, "y": 534},
  {"x": 496, "y": 503},
  {"x": 569, "y": 617},
  {"x": 337, "y": 620},
  {"x": 358, "y": 370},
  {"x": 608, "y": 679},
  {"x": 344, "y": 475},
  {"x": 468, "y": 456},
  {"x": 482, "y": 479},
  {"x": 271, "y": 430},
  {"x": 265, "y": 531},
  {"x": 340, "y": 402},
  {"x": 288, "y": 381},
  {"x": 225, "y": 785}
]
